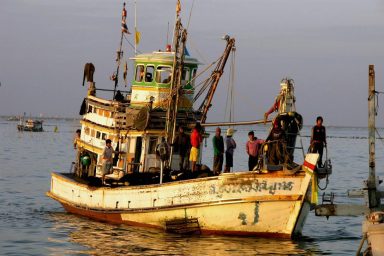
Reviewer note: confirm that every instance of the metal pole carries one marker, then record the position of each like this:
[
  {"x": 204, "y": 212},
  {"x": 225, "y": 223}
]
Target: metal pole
[
  {"x": 236, "y": 123},
  {"x": 119, "y": 56},
  {"x": 135, "y": 30},
  {"x": 371, "y": 184},
  {"x": 161, "y": 171}
]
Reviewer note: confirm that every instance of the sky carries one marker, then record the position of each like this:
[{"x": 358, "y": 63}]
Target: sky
[{"x": 324, "y": 45}]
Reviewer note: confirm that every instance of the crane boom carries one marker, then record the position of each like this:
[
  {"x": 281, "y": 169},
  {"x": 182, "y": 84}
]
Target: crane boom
[{"x": 215, "y": 78}]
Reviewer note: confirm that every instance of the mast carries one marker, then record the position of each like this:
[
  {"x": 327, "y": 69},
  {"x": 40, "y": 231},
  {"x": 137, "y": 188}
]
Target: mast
[
  {"x": 119, "y": 53},
  {"x": 180, "y": 37},
  {"x": 373, "y": 200},
  {"x": 215, "y": 78}
]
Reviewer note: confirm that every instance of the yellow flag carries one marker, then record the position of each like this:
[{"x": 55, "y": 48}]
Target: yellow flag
[{"x": 137, "y": 37}]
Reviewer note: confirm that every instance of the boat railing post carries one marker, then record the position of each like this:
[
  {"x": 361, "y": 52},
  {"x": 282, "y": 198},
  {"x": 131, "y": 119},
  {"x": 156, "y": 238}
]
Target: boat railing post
[{"x": 161, "y": 171}]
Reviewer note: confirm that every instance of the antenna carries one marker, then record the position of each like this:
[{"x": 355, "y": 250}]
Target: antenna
[{"x": 168, "y": 34}]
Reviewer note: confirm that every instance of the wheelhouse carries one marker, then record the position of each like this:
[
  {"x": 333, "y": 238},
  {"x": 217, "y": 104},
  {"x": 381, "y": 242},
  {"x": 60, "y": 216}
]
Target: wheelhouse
[{"x": 152, "y": 80}]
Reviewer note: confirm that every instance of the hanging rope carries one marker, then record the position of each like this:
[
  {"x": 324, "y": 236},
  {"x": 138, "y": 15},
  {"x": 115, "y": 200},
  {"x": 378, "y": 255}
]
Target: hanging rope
[
  {"x": 133, "y": 47},
  {"x": 197, "y": 50},
  {"x": 206, "y": 83},
  {"x": 230, "y": 110},
  {"x": 190, "y": 14}
]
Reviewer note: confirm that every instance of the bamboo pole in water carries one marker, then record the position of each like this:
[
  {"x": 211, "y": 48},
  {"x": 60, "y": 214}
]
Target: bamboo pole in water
[{"x": 374, "y": 201}]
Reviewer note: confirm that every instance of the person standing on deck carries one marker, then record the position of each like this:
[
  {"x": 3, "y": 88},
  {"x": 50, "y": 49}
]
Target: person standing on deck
[
  {"x": 285, "y": 101},
  {"x": 231, "y": 145},
  {"x": 162, "y": 151},
  {"x": 276, "y": 105},
  {"x": 106, "y": 158},
  {"x": 196, "y": 139},
  {"x": 277, "y": 141},
  {"x": 252, "y": 147},
  {"x": 77, "y": 137},
  {"x": 318, "y": 139},
  {"x": 182, "y": 146},
  {"x": 218, "y": 151}
]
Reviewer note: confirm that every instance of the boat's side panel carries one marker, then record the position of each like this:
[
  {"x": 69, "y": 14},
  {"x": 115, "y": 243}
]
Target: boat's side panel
[
  {"x": 231, "y": 204},
  {"x": 238, "y": 219},
  {"x": 222, "y": 188}
]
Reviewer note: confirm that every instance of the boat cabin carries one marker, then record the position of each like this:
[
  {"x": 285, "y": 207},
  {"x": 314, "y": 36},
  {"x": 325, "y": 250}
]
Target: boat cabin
[
  {"x": 136, "y": 125},
  {"x": 153, "y": 78}
]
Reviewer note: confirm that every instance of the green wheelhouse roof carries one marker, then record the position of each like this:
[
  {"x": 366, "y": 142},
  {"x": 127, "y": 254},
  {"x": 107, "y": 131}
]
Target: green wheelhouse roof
[{"x": 163, "y": 57}]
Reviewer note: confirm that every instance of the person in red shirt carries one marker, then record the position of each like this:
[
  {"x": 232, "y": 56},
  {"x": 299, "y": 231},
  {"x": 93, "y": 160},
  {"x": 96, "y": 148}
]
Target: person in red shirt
[
  {"x": 275, "y": 106},
  {"x": 196, "y": 139}
]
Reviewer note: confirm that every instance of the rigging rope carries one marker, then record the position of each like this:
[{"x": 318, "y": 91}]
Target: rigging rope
[
  {"x": 197, "y": 50},
  {"x": 229, "y": 111},
  {"x": 190, "y": 14},
  {"x": 133, "y": 47}
]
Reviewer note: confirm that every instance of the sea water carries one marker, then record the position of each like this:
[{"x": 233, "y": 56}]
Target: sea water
[{"x": 33, "y": 224}]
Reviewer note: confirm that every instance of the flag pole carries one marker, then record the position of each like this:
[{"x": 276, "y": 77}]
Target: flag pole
[
  {"x": 119, "y": 53},
  {"x": 135, "y": 30}
]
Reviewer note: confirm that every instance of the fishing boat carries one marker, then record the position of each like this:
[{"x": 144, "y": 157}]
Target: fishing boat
[
  {"x": 30, "y": 125},
  {"x": 146, "y": 190},
  {"x": 13, "y": 118}
]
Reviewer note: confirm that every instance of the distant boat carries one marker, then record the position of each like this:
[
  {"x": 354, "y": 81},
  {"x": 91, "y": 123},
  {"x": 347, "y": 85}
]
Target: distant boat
[
  {"x": 13, "y": 118},
  {"x": 31, "y": 126}
]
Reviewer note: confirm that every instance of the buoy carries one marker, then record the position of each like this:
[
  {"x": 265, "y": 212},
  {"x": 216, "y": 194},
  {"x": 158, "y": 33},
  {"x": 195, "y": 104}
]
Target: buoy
[{"x": 85, "y": 160}]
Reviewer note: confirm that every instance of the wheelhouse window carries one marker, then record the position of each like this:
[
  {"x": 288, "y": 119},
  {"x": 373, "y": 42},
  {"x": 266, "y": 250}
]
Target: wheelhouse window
[
  {"x": 86, "y": 130},
  {"x": 139, "y": 73},
  {"x": 163, "y": 75},
  {"x": 149, "y": 74},
  {"x": 185, "y": 76},
  {"x": 98, "y": 134},
  {"x": 152, "y": 145},
  {"x": 194, "y": 72}
]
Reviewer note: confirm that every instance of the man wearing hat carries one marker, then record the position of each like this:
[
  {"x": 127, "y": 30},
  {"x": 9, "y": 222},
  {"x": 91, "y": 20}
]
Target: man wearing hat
[{"x": 231, "y": 145}]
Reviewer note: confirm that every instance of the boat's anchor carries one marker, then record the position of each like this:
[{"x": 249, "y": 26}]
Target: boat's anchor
[{"x": 327, "y": 203}]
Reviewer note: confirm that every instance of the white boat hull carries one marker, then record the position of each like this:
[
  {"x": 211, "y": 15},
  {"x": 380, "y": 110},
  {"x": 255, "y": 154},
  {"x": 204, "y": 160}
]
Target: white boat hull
[{"x": 247, "y": 203}]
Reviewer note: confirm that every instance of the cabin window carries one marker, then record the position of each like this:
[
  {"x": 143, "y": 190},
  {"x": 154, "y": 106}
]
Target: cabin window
[
  {"x": 152, "y": 145},
  {"x": 92, "y": 133},
  {"x": 163, "y": 75},
  {"x": 103, "y": 136},
  {"x": 149, "y": 74},
  {"x": 90, "y": 108},
  {"x": 86, "y": 130},
  {"x": 95, "y": 110},
  {"x": 194, "y": 71},
  {"x": 185, "y": 76},
  {"x": 98, "y": 134},
  {"x": 106, "y": 113},
  {"x": 139, "y": 73}
]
